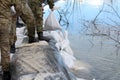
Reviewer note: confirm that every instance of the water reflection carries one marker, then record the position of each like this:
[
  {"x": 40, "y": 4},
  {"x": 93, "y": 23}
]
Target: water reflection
[
  {"x": 95, "y": 3},
  {"x": 78, "y": 12}
]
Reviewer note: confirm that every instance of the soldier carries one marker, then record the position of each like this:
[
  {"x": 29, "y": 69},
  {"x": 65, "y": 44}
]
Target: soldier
[
  {"x": 13, "y": 36},
  {"x": 30, "y": 26},
  {"x": 5, "y": 29},
  {"x": 37, "y": 9}
]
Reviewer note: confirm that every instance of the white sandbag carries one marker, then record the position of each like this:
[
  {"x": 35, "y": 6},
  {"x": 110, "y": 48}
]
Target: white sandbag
[
  {"x": 80, "y": 79},
  {"x": 56, "y": 7},
  {"x": 51, "y": 23},
  {"x": 68, "y": 59},
  {"x": 54, "y": 34},
  {"x": 63, "y": 46},
  {"x": 63, "y": 42},
  {"x": 50, "y": 76},
  {"x": 65, "y": 49},
  {"x": 21, "y": 36},
  {"x": 27, "y": 77},
  {"x": 13, "y": 9},
  {"x": 21, "y": 40},
  {"x": 21, "y": 31}
]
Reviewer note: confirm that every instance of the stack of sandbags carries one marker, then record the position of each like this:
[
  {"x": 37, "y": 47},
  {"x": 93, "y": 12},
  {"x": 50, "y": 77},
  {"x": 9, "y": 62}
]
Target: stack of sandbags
[
  {"x": 62, "y": 44},
  {"x": 38, "y": 61}
]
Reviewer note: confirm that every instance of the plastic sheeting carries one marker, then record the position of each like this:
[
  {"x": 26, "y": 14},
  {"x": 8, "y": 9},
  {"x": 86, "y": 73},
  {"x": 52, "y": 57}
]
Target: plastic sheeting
[
  {"x": 38, "y": 61},
  {"x": 51, "y": 23},
  {"x": 62, "y": 44}
]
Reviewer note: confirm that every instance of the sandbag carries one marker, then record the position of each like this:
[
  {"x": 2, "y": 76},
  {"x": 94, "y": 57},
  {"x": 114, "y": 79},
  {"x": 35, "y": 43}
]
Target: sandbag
[
  {"x": 51, "y": 23},
  {"x": 38, "y": 61}
]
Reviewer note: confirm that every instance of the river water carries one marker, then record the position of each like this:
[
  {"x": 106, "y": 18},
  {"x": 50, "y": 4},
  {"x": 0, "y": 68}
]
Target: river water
[{"x": 101, "y": 56}]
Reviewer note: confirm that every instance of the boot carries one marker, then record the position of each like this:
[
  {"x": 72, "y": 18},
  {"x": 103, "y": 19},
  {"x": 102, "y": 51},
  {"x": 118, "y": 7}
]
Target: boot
[
  {"x": 31, "y": 40},
  {"x": 6, "y": 75},
  {"x": 42, "y": 38},
  {"x": 12, "y": 48}
]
